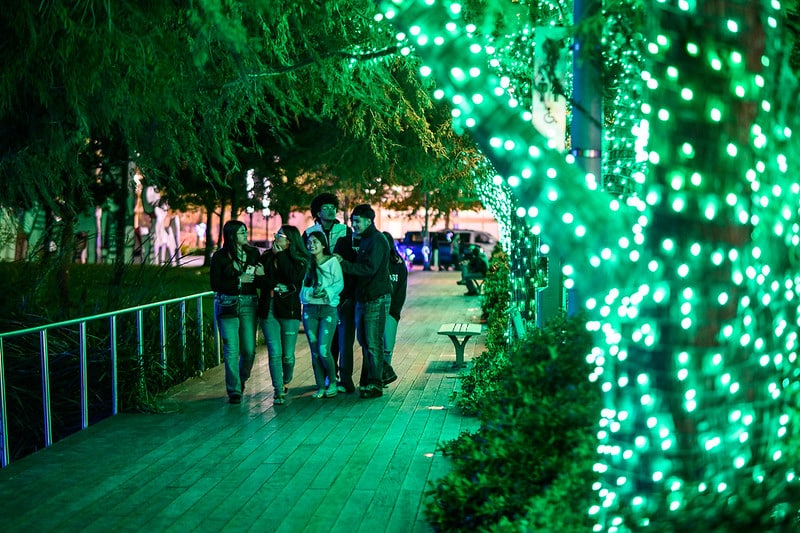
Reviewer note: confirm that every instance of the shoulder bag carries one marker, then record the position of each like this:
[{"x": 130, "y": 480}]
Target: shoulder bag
[{"x": 228, "y": 306}]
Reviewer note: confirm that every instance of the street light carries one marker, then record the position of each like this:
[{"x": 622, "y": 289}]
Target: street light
[
  {"x": 426, "y": 240},
  {"x": 251, "y": 183},
  {"x": 265, "y": 207}
]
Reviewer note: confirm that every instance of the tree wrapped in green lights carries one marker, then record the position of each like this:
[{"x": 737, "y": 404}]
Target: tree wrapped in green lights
[
  {"x": 698, "y": 365},
  {"x": 488, "y": 107},
  {"x": 691, "y": 282}
]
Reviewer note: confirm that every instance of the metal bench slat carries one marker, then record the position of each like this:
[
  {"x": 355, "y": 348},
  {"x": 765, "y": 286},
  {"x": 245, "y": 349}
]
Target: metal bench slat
[{"x": 461, "y": 328}]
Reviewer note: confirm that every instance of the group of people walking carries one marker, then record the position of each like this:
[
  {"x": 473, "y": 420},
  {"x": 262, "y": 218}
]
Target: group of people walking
[{"x": 344, "y": 283}]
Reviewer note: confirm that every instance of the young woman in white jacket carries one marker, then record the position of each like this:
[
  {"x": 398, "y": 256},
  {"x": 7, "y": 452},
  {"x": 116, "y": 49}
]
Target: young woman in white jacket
[{"x": 320, "y": 298}]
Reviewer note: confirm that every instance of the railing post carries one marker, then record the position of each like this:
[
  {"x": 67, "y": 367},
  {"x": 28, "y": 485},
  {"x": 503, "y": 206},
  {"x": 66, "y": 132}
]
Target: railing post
[
  {"x": 217, "y": 341},
  {"x": 200, "y": 324},
  {"x": 162, "y": 336},
  {"x": 140, "y": 350},
  {"x": 182, "y": 326},
  {"x": 45, "y": 360},
  {"x": 3, "y": 419},
  {"x": 113, "y": 352},
  {"x": 84, "y": 381}
]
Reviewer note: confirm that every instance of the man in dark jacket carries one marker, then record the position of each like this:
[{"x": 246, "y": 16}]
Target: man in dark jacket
[
  {"x": 474, "y": 267},
  {"x": 347, "y": 249},
  {"x": 370, "y": 270}
]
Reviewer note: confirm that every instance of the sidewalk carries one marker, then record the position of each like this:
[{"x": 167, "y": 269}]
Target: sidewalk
[{"x": 341, "y": 464}]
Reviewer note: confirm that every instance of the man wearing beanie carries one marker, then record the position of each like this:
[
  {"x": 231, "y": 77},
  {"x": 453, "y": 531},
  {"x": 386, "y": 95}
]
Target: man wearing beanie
[{"x": 370, "y": 269}]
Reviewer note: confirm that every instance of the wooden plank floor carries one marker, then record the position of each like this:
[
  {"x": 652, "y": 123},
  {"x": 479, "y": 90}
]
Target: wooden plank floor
[{"x": 338, "y": 464}]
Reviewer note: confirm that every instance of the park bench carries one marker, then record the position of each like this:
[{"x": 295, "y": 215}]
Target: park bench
[
  {"x": 479, "y": 283},
  {"x": 460, "y": 334}
]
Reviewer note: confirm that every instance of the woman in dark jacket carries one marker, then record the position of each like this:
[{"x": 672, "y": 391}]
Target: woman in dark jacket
[
  {"x": 398, "y": 275},
  {"x": 285, "y": 266},
  {"x": 233, "y": 271}
]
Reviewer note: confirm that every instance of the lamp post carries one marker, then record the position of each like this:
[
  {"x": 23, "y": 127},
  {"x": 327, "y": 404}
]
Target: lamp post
[
  {"x": 587, "y": 120},
  {"x": 426, "y": 240},
  {"x": 265, "y": 207},
  {"x": 251, "y": 182}
]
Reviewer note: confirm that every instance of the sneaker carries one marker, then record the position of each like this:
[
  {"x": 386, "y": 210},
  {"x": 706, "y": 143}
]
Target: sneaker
[
  {"x": 341, "y": 387},
  {"x": 285, "y": 390},
  {"x": 235, "y": 398},
  {"x": 371, "y": 391},
  {"x": 389, "y": 376},
  {"x": 319, "y": 394},
  {"x": 279, "y": 400},
  {"x": 331, "y": 391},
  {"x": 461, "y": 282}
]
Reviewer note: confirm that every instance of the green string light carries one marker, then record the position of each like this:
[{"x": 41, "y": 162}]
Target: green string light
[{"x": 686, "y": 262}]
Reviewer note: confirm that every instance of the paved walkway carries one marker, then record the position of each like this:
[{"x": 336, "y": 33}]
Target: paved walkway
[{"x": 333, "y": 465}]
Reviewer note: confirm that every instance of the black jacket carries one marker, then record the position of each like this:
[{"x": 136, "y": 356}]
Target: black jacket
[
  {"x": 398, "y": 275},
  {"x": 347, "y": 248},
  {"x": 225, "y": 272},
  {"x": 478, "y": 264},
  {"x": 280, "y": 268},
  {"x": 371, "y": 266}
]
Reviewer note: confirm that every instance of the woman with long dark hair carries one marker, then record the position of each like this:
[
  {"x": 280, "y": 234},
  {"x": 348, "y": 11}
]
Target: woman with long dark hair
[
  {"x": 285, "y": 266},
  {"x": 233, "y": 271},
  {"x": 320, "y": 296}
]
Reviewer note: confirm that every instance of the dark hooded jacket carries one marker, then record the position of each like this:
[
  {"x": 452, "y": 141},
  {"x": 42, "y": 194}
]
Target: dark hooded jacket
[{"x": 370, "y": 268}]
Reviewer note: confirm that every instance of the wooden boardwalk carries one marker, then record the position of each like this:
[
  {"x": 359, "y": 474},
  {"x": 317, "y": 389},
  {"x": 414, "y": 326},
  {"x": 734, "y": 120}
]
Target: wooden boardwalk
[{"x": 341, "y": 464}]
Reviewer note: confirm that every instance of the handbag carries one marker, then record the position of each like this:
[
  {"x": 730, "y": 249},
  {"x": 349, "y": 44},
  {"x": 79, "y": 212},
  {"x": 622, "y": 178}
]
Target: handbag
[
  {"x": 228, "y": 306},
  {"x": 290, "y": 289}
]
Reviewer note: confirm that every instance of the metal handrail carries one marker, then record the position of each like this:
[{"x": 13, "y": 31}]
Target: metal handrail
[{"x": 81, "y": 322}]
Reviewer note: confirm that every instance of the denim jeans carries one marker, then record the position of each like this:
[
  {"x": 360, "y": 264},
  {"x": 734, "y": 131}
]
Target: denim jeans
[
  {"x": 468, "y": 276},
  {"x": 238, "y": 336},
  {"x": 319, "y": 321},
  {"x": 347, "y": 338},
  {"x": 471, "y": 286},
  {"x": 370, "y": 325},
  {"x": 389, "y": 339},
  {"x": 280, "y": 335}
]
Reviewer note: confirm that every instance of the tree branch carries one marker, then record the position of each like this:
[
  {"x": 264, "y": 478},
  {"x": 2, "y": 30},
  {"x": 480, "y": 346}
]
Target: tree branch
[{"x": 387, "y": 51}]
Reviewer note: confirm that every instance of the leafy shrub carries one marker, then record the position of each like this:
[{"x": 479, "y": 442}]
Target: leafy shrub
[
  {"x": 483, "y": 375},
  {"x": 496, "y": 297},
  {"x": 536, "y": 444}
]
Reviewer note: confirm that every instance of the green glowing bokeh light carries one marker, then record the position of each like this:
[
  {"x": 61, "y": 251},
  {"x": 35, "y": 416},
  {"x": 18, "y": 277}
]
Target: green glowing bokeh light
[{"x": 692, "y": 244}]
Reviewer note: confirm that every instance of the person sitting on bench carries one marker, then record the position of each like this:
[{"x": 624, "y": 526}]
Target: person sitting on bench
[{"x": 474, "y": 267}]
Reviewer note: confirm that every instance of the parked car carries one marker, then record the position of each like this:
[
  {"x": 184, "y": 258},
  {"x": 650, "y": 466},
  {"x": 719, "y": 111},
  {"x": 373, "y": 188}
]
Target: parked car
[{"x": 412, "y": 245}]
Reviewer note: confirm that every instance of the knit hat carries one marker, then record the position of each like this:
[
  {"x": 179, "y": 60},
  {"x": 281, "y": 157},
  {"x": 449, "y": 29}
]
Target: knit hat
[
  {"x": 363, "y": 211},
  {"x": 322, "y": 199}
]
